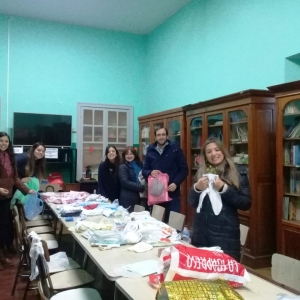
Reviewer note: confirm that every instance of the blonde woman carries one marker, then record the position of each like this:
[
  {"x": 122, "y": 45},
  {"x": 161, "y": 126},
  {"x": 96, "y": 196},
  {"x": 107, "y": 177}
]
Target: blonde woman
[{"x": 233, "y": 187}]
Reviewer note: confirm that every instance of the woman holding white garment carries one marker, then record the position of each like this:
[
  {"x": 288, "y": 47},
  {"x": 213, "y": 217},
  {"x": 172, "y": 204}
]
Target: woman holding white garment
[{"x": 232, "y": 185}]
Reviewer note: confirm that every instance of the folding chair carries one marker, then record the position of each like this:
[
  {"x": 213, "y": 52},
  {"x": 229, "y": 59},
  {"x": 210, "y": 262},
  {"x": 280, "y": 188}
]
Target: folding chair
[
  {"x": 176, "y": 220},
  {"x": 23, "y": 248},
  {"x": 37, "y": 229},
  {"x": 243, "y": 239},
  {"x": 286, "y": 271},
  {"x": 138, "y": 208},
  {"x": 61, "y": 281},
  {"x": 158, "y": 212}
]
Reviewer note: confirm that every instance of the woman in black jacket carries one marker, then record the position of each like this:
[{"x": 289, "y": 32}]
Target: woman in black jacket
[
  {"x": 232, "y": 184},
  {"x": 33, "y": 163},
  {"x": 130, "y": 184},
  {"x": 108, "y": 174}
]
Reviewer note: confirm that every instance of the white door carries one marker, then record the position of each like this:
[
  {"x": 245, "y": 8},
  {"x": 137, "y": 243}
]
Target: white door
[{"x": 100, "y": 125}]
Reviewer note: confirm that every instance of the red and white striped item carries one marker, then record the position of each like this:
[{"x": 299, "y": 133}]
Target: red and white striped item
[{"x": 181, "y": 262}]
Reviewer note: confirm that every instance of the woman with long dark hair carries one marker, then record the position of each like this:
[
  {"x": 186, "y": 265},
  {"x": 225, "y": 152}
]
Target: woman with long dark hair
[
  {"x": 130, "y": 184},
  {"x": 108, "y": 174},
  {"x": 232, "y": 185},
  {"x": 8, "y": 179},
  {"x": 33, "y": 163}
]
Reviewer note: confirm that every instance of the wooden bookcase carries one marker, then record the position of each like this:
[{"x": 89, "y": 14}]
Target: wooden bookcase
[
  {"x": 288, "y": 168},
  {"x": 245, "y": 122},
  {"x": 174, "y": 121}
]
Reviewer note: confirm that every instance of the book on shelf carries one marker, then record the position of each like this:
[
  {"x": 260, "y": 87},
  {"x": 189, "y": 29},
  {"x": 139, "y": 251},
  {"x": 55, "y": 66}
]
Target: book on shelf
[
  {"x": 298, "y": 209},
  {"x": 291, "y": 208},
  {"x": 296, "y": 154},
  {"x": 242, "y": 132},
  {"x": 285, "y": 208},
  {"x": 292, "y": 128},
  {"x": 295, "y": 133},
  {"x": 291, "y": 153},
  {"x": 294, "y": 180},
  {"x": 287, "y": 154}
]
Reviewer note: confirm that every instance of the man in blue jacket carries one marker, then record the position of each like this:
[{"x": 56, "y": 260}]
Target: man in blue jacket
[{"x": 166, "y": 157}]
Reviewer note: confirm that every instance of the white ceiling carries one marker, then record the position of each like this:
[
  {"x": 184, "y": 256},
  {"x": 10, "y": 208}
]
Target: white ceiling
[{"x": 134, "y": 16}]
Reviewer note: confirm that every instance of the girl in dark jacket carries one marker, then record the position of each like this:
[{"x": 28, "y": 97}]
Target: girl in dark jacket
[
  {"x": 108, "y": 174},
  {"x": 130, "y": 184},
  {"x": 232, "y": 184},
  {"x": 33, "y": 163}
]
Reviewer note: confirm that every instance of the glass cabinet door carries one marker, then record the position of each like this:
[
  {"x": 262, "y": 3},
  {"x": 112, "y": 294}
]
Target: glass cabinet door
[
  {"x": 174, "y": 131},
  {"x": 238, "y": 136},
  {"x": 291, "y": 161},
  {"x": 196, "y": 142},
  {"x": 157, "y": 125},
  {"x": 145, "y": 137},
  {"x": 215, "y": 126}
]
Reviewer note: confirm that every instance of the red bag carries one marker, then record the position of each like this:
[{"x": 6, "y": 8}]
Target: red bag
[
  {"x": 158, "y": 189},
  {"x": 55, "y": 177},
  {"x": 181, "y": 262}
]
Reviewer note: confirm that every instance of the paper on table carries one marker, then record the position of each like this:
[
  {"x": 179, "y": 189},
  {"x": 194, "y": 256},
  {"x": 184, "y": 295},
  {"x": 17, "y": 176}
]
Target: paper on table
[{"x": 138, "y": 269}]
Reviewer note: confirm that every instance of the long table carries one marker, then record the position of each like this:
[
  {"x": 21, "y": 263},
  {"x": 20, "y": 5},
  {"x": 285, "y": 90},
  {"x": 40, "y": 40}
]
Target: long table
[
  {"x": 106, "y": 260},
  {"x": 141, "y": 289}
]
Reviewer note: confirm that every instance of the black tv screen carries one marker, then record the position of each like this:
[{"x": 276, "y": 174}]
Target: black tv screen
[{"x": 52, "y": 130}]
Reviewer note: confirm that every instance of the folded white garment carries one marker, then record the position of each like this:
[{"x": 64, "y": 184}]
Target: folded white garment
[{"x": 214, "y": 196}]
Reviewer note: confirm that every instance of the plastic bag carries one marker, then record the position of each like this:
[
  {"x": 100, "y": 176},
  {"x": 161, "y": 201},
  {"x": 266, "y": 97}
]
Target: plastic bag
[
  {"x": 158, "y": 189},
  {"x": 58, "y": 262},
  {"x": 106, "y": 237},
  {"x": 143, "y": 182},
  {"x": 33, "y": 206},
  {"x": 182, "y": 262},
  {"x": 33, "y": 184}
]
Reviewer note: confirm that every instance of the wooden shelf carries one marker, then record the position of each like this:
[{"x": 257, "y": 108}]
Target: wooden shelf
[
  {"x": 238, "y": 123},
  {"x": 196, "y": 128},
  {"x": 238, "y": 143},
  {"x": 174, "y": 121},
  {"x": 291, "y": 223},
  {"x": 288, "y": 231},
  {"x": 217, "y": 125},
  {"x": 258, "y": 106},
  {"x": 292, "y": 166}
]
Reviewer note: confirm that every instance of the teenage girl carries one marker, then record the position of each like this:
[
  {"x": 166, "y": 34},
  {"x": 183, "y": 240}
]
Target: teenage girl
[
  {"x": 8, "y": 179},
  {"x": 33, "y": 163},
  {"x": 108, "y": 174}
]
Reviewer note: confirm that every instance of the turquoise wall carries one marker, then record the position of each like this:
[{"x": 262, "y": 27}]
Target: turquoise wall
[
  {"x": 3, "y": 71},
  {"x": 208, "y": 49},
  {"x": 214, "y": 47},
  {"x": 54, "y": 66}
]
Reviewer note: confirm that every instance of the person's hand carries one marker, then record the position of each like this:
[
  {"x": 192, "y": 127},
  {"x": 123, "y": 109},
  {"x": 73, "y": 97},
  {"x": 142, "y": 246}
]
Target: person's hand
[
  {"x": 172, "y": 187},
  {"x": 154, "y": 173},
  {"x": 202, "y": 184},
  {"x": 25, "y": 179},
  {"x": 218, "y": 183},
  {"x": 3, "y": 191},
  {"x": 32, "y": 192}
]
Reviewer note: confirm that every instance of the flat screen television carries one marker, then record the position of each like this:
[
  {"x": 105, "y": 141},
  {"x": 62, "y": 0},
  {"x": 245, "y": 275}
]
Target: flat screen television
[{"x": 52, "y": 130}]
